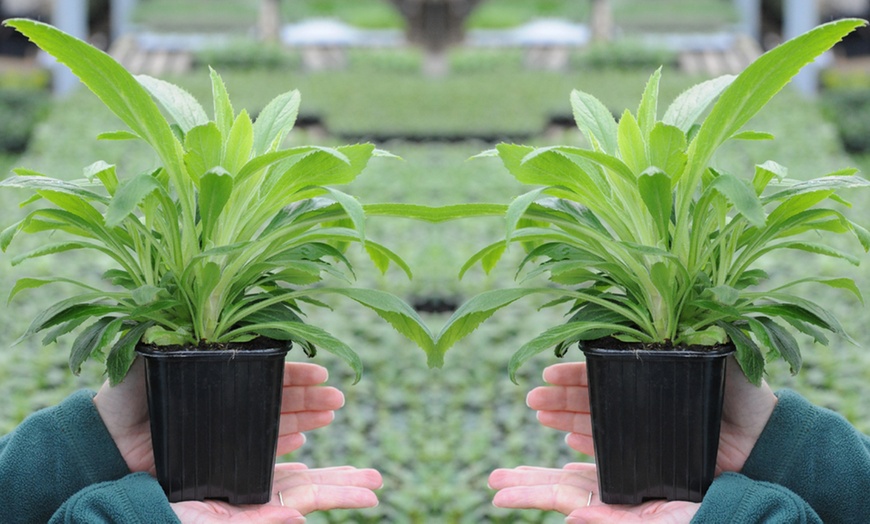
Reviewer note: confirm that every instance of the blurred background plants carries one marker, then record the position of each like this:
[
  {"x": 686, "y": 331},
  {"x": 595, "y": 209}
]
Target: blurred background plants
[{"x": 435, "y": 434}]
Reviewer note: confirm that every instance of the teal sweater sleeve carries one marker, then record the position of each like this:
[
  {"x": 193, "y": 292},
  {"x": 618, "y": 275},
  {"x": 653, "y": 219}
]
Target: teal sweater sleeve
[
  {"x": 134, "y": 499},
  {"x": 809, "y": 465},
  {"x": 54, "y": 454},
  {"x": 736, "y": 498}
]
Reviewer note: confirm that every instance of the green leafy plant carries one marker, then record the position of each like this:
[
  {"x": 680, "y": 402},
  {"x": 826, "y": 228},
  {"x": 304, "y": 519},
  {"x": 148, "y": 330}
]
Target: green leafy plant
[
  {"x": 650, "y": 243},
  {"x": 224, "y": 242}
]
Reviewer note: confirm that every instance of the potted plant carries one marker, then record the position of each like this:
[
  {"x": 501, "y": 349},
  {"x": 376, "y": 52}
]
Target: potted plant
[
  {"x": 216, "y": 252},
  {"x": 655, "y": 250}
]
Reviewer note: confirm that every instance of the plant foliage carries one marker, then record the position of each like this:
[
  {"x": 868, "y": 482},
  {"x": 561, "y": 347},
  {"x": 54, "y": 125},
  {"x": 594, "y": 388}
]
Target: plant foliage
[
  {"x": 225, "y": 241},
  {"x": 650, "y": 243}
]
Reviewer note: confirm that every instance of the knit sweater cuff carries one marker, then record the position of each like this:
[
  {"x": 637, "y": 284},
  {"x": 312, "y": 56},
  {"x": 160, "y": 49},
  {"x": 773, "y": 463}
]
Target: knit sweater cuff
[
  {"x": 735, "y": 498},
  {"x": 92, "y": 451},
  {"x": 136, "y": 499},
  {"x": 793, "y": 416}
]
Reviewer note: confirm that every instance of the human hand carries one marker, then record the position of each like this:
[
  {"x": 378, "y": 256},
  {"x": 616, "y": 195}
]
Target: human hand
[
  {"x": 305, "y": 406},
  {"x": 302, "y": 491},
  {"x": 564, "y": 405},
  {"x": 571, "y": 491}
]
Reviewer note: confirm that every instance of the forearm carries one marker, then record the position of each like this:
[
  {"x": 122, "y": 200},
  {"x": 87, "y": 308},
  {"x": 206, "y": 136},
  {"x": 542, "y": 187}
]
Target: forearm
[
  {"x": 134, "y": 499},
  {"x": 816, "y": 454},
  {"x": 53, "y": 454},
  {"x": 736, "y": 498}
]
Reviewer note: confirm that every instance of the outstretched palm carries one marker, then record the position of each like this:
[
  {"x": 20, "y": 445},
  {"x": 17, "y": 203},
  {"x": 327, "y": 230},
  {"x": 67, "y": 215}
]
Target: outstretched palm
[
  {"x": 302, "y": 491},
  {"x": 564, "y": 405}
]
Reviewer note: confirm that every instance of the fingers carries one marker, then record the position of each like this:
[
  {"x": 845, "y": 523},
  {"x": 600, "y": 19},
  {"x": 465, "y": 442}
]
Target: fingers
[
  {"x": 566, "y": 374},
  {"x": 305, "y": 405},
  {"x": 545, "y": 489},
  {"x": 566, "y": 421},
  {"x": 559, "y": 398},
  {"x": 311, "y": 398},
  {"x": 324, "y": 489},
  {"x": 289, "y": 443},
  {"x": 580, "y": 442},
  {"x": 651, "y": 512},
  {"x": 304, "y": 374},
  {"x": 305, "y": 421}
]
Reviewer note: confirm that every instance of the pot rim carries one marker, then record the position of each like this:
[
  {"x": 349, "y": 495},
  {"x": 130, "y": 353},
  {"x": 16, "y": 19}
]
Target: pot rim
[
  {"x": 222, "y": 354},
  {"x": 659, "y": 354}
]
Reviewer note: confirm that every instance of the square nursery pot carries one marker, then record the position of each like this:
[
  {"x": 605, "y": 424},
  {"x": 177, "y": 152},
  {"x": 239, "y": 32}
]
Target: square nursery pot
[
  {"x": 214, "y": 421},
  {"x": 655, "y": 421}
]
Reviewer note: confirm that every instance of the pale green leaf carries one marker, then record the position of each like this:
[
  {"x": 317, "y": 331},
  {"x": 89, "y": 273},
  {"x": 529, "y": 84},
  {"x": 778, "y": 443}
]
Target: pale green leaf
[
  {"x": 129, "y": 196},
  {"x": 488, "y": 257},
  {"x": 726, "y": 295},
  {"x": 216, "y": 188},
  {"x": 632, "y": 149},
  {"x": 655, "y": 190},
  {"x": 818, "y": 249},
  {"x": 146, "y": 294},
  {"x": 435, "y": 214},
  {"x": 43, "y": 183},
  {"x": 319, "y": 338},
  {"x": 399, "y": 315},
  {"x": 559, "y": 334},
  {"x": 472, "y": 313},
  {"x": 685, "y": 110},
  {"x": 829, "y": 183},
  {"x": 353, "y": 208},
  {"x": 752, "y": 135},
  {"x": 517, "y": 209},
  {"x": 766, "y": 172},
  {"x": 52, "y": 249},
  {"x": 381, "y": 256},
  {"x": 239, "y": 143},
  {"x": 839, "y": 283},
  {"x": 756, "y": 85},
  {"x": 223, "y": 108},
  {"x": 105, "y": 173},
  {"x": 742, "y": 197},
  {"x": 118, "y": 135},
  {"x": 203, "y": 150},
  {"x": 32, "y": 283},
  {"x": 647, "y": 111},
  {"x": 667, "y": 149},
  {"x": 116, "y": 87},
  {"x": 595, "y": 121},
  {"x": 275, "y": 121},
  {"x": 183, "y": 107}
]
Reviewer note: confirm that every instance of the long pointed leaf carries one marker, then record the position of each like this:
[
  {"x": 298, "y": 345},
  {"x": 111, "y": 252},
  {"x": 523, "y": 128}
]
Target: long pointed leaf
[
  {"x": 471, "y": 314},
  {"x": 399, "y": 314},
  {"x": 183, "y": 107},
  {"x": 112, "y": 84},
  {"x": 275, "y": 121}
]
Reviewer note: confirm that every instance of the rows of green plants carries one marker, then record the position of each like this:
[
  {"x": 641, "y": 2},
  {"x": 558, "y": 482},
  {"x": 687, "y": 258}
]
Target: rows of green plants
[
  {"x": 631, "y": 15},
  {"x": 435, "y": 434}
]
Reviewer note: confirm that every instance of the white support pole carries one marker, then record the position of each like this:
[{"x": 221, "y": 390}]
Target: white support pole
[
  {"x": 750, "y": 17},
  {"x": 799, "y": 16},
  {"x": 70, "y": 16},
  {"x": 120, "y": 13}
]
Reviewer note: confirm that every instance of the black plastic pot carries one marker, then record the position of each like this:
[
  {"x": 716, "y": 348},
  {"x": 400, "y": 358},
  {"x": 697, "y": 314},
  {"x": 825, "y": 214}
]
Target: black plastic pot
[
  {"x": 655, "y": 422},
  {"x": 214, "y": 421}
]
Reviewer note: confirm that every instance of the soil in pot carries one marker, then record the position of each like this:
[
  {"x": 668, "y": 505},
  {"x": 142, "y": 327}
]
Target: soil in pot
[
  {"x": 656, "y": 416},
  {"x": 214, "y": 420}
]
